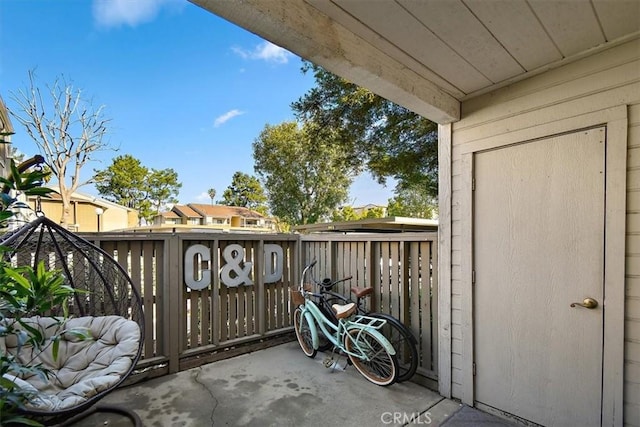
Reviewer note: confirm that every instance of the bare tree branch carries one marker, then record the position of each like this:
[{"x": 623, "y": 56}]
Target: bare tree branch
[{"x": 67, "y": 129}]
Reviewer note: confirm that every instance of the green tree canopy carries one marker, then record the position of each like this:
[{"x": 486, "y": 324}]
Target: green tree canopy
[
  {"x": 246, "y": 191},
  {"x": 123, "y": 181},
  {"x": 162, "y": 188},
  {"x": 413, "y": 202},
  {"x": 348, "y": 213},
  {"x": 388, "y": 139},
  {"x": 304, "y": 170},
  {"x": 127, "y": 182}
]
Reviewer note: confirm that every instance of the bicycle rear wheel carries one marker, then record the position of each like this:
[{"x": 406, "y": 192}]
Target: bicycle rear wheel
[
  {"x": 379, "y": 367},
  {"x": 403, "y": 342},
  {"x": 303, "y": 333}
]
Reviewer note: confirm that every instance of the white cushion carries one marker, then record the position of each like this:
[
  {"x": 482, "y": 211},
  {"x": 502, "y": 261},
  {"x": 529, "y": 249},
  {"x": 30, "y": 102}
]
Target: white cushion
[{"x": 83, "y": 368}]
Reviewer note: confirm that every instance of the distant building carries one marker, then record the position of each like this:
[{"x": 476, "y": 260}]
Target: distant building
[
  {"x": 216, "y": 217},
  {"x": 88, "y": 213}
]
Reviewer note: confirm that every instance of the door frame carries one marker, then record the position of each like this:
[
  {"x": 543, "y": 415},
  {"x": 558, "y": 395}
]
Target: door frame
[{"x": 615, "y": 120}]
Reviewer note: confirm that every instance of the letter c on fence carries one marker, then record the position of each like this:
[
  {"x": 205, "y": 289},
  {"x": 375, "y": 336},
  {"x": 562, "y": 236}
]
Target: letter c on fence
[{"x": 189, "y": 264}]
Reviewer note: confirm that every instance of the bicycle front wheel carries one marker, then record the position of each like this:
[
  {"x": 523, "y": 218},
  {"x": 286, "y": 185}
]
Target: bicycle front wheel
[
  {"x": 376, "y": 364},
  {"x": 303, "y": 333},
  {"x": 403, "y": 343}
]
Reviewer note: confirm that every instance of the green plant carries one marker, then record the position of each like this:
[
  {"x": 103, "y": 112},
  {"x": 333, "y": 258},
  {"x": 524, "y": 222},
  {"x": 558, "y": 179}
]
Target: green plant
[
  {"x": 25, "y": 292},
  {"x": 21, "y": 180}
]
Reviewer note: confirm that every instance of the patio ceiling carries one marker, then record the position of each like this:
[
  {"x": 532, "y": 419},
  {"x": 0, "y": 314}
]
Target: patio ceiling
[{"x": 429, "y": 55}]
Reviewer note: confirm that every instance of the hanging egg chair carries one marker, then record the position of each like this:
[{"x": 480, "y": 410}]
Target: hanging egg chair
[{"x": 105, "y": 303}]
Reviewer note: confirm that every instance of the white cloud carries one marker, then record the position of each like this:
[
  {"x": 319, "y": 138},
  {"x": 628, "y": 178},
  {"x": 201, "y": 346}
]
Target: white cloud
[
  {"x": 113, "y": 13},
  {"x": 220, "y": 120},
  {"x": 202, "y": 197},
  {"x": 265, "y": 51}
]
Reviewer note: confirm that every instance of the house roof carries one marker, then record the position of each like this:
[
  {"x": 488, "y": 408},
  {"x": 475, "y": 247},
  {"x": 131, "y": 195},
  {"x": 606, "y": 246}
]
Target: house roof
[
  {"x": 221, "y": 211},
  {"x": 430, "y": 55},
  {"x": 169, "y": 215},
  {"x": 185, "y": 211},
  {"x": 86, "y": 198},
  {"x": 389, "y": 224}
]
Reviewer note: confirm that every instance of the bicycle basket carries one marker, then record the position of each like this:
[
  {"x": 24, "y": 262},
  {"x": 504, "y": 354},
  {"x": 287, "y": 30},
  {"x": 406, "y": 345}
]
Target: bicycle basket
[{"x": 296, "y": 296}]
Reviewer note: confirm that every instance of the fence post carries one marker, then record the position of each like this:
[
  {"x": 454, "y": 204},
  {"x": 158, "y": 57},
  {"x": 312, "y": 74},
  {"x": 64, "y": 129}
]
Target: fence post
[
  {"x": 258, "y": 265},
  {"x": 173, "y": 301}
]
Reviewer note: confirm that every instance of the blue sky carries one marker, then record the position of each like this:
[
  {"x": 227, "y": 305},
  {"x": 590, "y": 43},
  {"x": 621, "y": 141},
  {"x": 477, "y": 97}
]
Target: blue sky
[{"x": 184, "y": 89}]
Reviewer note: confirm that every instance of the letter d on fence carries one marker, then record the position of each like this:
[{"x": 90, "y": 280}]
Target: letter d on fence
[
  {"x": 204, "y": 254},
  {"x": 273, "y": 262}
]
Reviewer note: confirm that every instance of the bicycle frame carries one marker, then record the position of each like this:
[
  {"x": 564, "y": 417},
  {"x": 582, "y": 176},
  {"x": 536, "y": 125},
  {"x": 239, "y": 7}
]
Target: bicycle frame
[
  {"x": 324, "y": 298},
  {"x": 363, "y": 323},
  {"x": 315, "y": 317}
]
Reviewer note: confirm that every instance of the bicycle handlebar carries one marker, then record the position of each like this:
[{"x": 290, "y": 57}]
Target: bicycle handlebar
[{"x": 327, "y": 283}]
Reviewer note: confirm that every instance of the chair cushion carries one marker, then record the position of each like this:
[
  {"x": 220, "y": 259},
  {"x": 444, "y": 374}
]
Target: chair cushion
[{"x": 82, "y": 368}]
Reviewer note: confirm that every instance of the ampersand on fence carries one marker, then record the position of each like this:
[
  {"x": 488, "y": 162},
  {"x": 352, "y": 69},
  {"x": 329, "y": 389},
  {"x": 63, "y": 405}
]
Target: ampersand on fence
[{"x": 234, "y": 256}]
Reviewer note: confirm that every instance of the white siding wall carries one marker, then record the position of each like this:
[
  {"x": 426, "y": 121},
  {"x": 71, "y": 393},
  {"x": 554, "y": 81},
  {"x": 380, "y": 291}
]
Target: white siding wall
[
  {"x": 632, "y": 307},
  {"x": 592, "y": 85}
]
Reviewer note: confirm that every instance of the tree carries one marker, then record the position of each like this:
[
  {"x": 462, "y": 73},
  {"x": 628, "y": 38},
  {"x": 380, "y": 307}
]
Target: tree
[
  {"x": 348, "y": 213},
  {"x": 389, "y": 139},
  {"x": 162, "y": 188},
  {"x": 123, "y": 181},
  {"x": 212, "y": 194},
  {"x": 67, "y": 129},
  {"x": 246, "y": 191},
  {"x": 304, "y": 170},
  {"x": 127, "y": 182},
  {"x": 413, "y": 202},
  {"x": 345, "y": 213}
]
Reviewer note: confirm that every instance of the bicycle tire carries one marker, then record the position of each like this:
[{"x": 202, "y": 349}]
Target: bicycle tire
[
  {"x": 303, "y": 333},
  {"x": 382, "y": 368},
  {"x": 404, "y": 344}
]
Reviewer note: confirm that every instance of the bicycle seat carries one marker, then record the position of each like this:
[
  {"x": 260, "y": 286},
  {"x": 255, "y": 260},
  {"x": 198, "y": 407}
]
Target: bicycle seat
[
  {"x": 343, "y": 311},
  {"x": 361, "y": 292}
]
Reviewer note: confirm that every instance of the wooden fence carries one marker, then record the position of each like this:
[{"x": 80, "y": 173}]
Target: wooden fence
[
  {"x": 402, "y": 269},
  {"x": 239, "y": 301}
]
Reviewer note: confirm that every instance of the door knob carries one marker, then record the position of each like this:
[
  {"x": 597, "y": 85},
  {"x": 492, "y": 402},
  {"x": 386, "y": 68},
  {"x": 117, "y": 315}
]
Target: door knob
[{"x": 589, "y": 303}]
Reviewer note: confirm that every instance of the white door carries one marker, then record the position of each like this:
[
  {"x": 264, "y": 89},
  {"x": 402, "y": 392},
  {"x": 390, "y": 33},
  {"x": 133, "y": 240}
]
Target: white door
[{"x": 538, "y": 248}]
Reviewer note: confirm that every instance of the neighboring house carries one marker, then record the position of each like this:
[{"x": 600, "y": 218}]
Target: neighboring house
[
  {"x": 215, "y": 217},
  {"x": 188, "y": 216},
  {"x": 88, "y": 213},
  {"x": 538, "y": 106}
]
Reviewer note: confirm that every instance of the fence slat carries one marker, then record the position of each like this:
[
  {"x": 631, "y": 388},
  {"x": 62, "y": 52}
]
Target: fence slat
[
  {"x": 425, "y": 305},
  {"x": 150, "y": 308}
]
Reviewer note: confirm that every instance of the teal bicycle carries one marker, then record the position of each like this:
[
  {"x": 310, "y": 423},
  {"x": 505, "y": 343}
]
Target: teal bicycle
[{"x": 358, "y": 336}]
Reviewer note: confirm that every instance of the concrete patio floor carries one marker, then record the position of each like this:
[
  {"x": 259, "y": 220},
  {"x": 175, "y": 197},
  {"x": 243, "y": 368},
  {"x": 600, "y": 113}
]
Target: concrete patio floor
[{"x": 280, "y": 386}]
